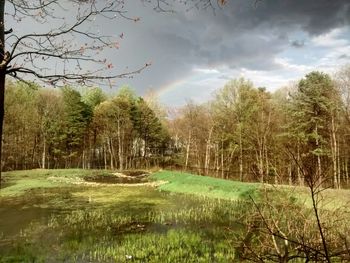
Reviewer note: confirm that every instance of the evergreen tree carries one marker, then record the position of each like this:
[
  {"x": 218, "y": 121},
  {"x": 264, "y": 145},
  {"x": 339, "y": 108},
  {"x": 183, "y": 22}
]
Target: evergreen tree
[
  {"x": 311, "y": 112},
  {"x": 77, "y": 116}
]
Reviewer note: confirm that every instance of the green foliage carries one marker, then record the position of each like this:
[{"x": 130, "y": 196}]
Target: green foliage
[
  {"x": 147, "y": 126},
  {"x": 93, "y": 97},
  {"x": 77, "y": 115},
  {"x": 311, "y": 108}
]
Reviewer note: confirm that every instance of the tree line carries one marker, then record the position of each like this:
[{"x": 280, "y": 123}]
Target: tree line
[
  {"x": 63, "y": 128},
  {"x": 244, "y": 132},
  {"x": 249, "y": 134}
]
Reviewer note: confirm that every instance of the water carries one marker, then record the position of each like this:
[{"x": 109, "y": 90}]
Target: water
[{"x": 59, "y": 222}]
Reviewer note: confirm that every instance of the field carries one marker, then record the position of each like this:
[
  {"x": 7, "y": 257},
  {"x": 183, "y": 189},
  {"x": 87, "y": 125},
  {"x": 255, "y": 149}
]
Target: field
[{"x": 56, "y": 215}]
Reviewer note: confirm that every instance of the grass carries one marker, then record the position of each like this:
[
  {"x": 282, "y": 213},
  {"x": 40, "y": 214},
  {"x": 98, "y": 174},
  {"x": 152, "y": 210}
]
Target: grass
[
  {"x": 205, "y": 186},
  {"x": 21, "y": 181},
  {"x": 189, "y": 218},
  {"x": 44, "y": 219}
]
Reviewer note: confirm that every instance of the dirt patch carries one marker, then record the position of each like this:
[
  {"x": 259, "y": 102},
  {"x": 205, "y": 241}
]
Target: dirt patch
[
  {"x": 118, "y": 178},
  {"x": 80, "y": 181}
]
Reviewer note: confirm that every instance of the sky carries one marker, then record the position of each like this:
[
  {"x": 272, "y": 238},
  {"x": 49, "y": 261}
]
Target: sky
[{"x": 195, "y": 52}]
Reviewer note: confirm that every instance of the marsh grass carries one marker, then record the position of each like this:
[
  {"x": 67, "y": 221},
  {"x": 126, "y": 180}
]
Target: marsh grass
[
  {"x": 153, "y": 227},
  {"x": 113, "y": 224},
  {"x": 188, "y": 219}
]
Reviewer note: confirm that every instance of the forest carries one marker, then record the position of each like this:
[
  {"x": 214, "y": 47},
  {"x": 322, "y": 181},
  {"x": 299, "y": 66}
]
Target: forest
[{"x": 244, "y": 132}]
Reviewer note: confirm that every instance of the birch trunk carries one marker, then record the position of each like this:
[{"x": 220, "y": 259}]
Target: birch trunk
[
  {"x": 300, "y": 178},
  {"x": 120, "y": 148},
  {"x": 334, "y": 154},
  {"x": 207, "y": 152},
  {"x": 109, "y": 143},
  {"x": 43, "y": 165},
  {"x": 188, "y": 149},
  {"x": 222, "y": 159},
  {"x": 319, "y": 167},
  {"x": 240, "y": 154}
]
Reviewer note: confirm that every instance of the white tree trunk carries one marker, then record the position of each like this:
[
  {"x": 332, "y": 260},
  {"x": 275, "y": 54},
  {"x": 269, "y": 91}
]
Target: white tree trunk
[{"x": 43, "y": 165}]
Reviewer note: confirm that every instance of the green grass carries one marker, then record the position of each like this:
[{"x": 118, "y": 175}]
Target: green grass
[
  {"x": 43, "y": 219},
  {"x": 21, "y": 181},
  {"x": 189, "y": 218},
  {"x": 205, "y": 186}
]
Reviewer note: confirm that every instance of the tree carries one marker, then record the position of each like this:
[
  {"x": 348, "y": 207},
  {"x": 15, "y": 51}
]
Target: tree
[
  {"x": 22, "y": 126},
  {"x": 312, "y": 112},
  {"x": 77, "y": 116},
  {"x": 50, "y": 109},
  {"x": 234, "y": 107}
]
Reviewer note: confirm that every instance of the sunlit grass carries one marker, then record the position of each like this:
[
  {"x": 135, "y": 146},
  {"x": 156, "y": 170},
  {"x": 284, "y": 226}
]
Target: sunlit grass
[{"x": 206, "y": 186}]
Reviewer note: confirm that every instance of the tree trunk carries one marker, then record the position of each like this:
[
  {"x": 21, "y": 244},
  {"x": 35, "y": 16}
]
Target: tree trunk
[
  {"x": 120, "y": 148},
  {"x": 44, "y": 153},
  {"x": 334, "y": 155},
  {"x": 346, "y": 172},
  {"x": 260, "y": 163},
  {"x": 216, "y": 162},
  {"x": 188, "y": 149},
  {"x": 240, "y": 154},
  {"x": 83, "y": 160},
  {"x": 207, "y": 153},
  {"x": 109, "y": 143},
  {"x": 105, "y": 156},
  {"x": 339, "y": 168},
  {"x": 319, "y": 166},
  {"x": 222, "y": 158},
  {"x": 2, "y": 78},
  {"x": 300, "y": 177},
  {"x": 289, "y": 174}
]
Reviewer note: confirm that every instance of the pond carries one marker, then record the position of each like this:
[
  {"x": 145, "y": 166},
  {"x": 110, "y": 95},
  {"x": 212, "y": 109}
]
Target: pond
[{"x": 115, "y": 224}]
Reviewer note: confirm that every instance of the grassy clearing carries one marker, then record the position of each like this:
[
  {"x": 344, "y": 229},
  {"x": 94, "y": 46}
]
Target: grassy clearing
[{"x": 206, "y": 186}]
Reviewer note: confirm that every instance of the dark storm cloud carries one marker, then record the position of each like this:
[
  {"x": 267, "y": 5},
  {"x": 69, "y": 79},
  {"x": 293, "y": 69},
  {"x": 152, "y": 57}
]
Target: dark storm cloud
[
  {"x": 240, "y": 35},
  {"x": 297, "y": 43},
  {"x": 313, "y": 16}
]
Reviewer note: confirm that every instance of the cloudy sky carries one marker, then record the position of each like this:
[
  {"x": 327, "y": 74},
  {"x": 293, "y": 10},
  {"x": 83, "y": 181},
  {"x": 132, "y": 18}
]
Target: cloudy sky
[{"x": 195, "y": 52}]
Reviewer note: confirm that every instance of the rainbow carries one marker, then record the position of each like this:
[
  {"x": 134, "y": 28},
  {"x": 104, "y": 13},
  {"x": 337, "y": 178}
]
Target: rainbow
[{"x": 171, "y": 86}]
